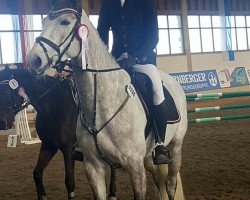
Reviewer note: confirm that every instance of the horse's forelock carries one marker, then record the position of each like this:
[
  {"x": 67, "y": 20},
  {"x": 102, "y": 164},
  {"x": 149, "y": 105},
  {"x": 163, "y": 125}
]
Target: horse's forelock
[{"x": 62, "y": 4}]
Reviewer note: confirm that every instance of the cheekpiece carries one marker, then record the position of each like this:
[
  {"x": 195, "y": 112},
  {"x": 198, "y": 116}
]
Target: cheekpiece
[{"x": 54, "y": 14}]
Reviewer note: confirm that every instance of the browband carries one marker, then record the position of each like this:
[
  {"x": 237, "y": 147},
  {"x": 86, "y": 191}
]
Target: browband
[{"x": 54, "y": 14}]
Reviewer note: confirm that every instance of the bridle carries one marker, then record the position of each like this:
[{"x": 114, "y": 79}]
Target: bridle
[
  {"x": 59, "y": 65},
  {"x": 13, "y": 105},
  {"x": 15, "y": 108}
]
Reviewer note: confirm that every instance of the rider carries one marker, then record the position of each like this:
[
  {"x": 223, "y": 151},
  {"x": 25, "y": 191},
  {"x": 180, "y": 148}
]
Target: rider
[{"x": 135, "y": 35}]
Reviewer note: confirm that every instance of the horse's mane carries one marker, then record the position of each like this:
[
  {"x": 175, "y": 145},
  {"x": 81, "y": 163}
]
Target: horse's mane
[{"x": 100, "y": 56}]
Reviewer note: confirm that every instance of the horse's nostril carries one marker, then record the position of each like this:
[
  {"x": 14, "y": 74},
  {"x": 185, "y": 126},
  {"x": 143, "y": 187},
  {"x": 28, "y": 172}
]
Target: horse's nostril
[{"x": 37, "y": 62}]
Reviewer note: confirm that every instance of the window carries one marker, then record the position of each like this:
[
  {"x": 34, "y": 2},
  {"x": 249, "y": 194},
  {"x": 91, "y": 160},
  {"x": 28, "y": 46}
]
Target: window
[
  {"x": 33, "y": 26},
  {"x": 94, "y": 20},
  {"x": 170, "y": 35},
  {"x": 10, "y": 42},
  {"x": 10, "y": 49},
  {"x": 201, "y": 33},
  {"x": 216, "y": 33}
]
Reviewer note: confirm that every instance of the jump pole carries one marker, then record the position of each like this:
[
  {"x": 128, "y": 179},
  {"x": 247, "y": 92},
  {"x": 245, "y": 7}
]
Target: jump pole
[
  {"x": 202, "y": 98},
  {"x": 210, "y": 98},
  {"x": 213, "y": 108},
  {"x": 220, "y": 95},
  {"x": 212, "y": 119}
]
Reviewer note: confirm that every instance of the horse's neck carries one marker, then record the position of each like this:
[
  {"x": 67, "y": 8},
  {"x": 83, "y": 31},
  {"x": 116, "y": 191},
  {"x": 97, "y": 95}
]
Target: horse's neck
[
  {"x": 110, "y": 86},
  {"x": 24, "y": 79},
  {"x": 33, "y": 89},
  {"x": 98, "y": 57}
]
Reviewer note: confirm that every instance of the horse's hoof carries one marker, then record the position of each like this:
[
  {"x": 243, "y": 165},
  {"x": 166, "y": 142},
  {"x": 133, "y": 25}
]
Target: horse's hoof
[
  {"x": 42, "y": 198},
  {"x": 71, "y": 195},
  {"x": 112, "y": 198}
]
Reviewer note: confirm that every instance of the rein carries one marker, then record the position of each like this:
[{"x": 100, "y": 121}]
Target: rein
[
  {"x": 13, "y": 98},
  {"x": 39, "y": 97}
]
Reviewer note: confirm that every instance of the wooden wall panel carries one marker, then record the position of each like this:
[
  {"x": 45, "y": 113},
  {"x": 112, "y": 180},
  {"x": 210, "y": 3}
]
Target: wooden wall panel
[
  {"x": 7, "y": 7},
  {"x": 202, "y": 7},
  {"x": 240, "y": 7},
  {"x": 164, "y": 6},
  {"x": 94, "y": 6},
  {"x": 169, "y": 6},
  {"x": 41, "y": 7}
]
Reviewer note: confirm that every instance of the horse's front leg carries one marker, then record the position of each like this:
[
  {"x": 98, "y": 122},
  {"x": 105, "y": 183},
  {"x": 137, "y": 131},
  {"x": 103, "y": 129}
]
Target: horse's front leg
[
  {"x": 96, "y": 177},
  {"x": 69, "y": 164},
  {"x": 137, "y": 176},
  {"x": 45, "y": 156}
]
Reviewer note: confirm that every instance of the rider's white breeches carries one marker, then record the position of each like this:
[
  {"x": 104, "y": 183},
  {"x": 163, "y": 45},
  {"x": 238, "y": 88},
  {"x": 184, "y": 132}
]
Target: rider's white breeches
[{"x": 152, "y": 72}]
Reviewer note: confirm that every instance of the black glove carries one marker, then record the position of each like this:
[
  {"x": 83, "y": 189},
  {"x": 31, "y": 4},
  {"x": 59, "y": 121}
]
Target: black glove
[{"x": 127, "y": 63}]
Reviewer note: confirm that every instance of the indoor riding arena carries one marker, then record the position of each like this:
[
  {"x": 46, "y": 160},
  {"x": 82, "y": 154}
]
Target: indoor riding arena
[{"x": 204, "y": 45}]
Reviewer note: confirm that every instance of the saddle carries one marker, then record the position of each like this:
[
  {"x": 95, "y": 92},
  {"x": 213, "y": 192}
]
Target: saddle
[{"x": 143, "y": 87}]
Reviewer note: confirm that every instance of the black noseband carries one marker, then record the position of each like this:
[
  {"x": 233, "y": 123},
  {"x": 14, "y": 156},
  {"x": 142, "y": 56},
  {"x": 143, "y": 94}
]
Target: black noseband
[{"x": 48, "y": 42}]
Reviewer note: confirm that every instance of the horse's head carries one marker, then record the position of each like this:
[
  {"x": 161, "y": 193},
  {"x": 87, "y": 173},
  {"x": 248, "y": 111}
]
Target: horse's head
[
  {"x": 10, "y": 100},
  {"x": 67, "y": 32},
  {"x": 58, "y": 40}
]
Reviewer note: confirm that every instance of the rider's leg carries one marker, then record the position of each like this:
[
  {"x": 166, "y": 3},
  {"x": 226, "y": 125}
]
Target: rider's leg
[
  {"x": 160, "y": 154},
  {"x": 152, "y": 72}
]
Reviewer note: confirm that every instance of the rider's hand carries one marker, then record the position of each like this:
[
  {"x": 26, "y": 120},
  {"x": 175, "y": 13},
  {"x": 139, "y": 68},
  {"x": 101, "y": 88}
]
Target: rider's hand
[{"x": 127, "y": 63}]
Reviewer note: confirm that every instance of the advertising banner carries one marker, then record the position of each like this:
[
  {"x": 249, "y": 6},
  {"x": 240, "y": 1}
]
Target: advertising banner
[
  {"x": 197, "y": 80},
  {"x": 233, "y": 77}
]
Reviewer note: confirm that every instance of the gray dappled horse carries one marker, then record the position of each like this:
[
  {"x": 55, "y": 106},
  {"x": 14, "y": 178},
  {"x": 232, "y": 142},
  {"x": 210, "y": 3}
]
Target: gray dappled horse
[{"x": 111, "y": 125}]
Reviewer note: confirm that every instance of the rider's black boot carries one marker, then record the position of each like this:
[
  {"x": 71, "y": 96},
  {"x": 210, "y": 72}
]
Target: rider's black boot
[{"x": 161, "y": 153}]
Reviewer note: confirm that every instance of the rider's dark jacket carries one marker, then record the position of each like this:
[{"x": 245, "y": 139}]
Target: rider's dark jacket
[{"x": 134, "y": 27}]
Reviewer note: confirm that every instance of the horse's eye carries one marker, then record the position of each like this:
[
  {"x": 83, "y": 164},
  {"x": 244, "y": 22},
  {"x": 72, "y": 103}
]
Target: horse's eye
[{"x": 64, "y": 22}]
